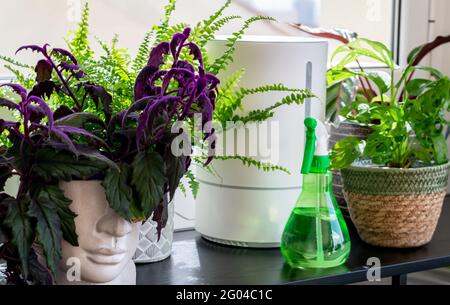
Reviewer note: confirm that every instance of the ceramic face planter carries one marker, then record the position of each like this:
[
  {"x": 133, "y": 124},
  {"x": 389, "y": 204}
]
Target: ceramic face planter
[{"x": 107, "y": 242}]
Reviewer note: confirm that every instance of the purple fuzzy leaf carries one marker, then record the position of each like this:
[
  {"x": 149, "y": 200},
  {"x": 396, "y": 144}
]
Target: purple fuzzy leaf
[
  {"x": 79, "y": 131},
  {"x": 44, "y": 89},
  {"x": 213, "y": 80},
  {"x": 35, "y": 113},
  {"x": 157, "y": 55},
  {"x": 8, "y": 124},
  {"x": 98, "y": 93},
  {"x": 196, "y": 52},
  {"x": 79, "y": 119},
  {"x": 43, "y": 70},
  {"x": 137, "y": 106},
  {"x": 142, "y": 86},
  {"x": 69, "y": 67},
  {"x": 9, "y": 104},
  {"x": 184, "y": 73},
  {"x": 146, "y": 119},
  {"x": 66, "y": 140},
  {"x": 61, "y": 112},
  {"x": 33, "y": 48},
  {"x": 79, "y": 74},
  {"x": 45, "y": 108},
  {"x": 177, "y": 40},
  {"x": 17, "y": 89},
  {"x": 67, "y": 54},
  {"x": 185, "y": 65}
]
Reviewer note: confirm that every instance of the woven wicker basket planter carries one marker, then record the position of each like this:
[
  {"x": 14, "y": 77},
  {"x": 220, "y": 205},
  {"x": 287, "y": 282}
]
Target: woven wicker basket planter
[{"x": 393, "y": 207}]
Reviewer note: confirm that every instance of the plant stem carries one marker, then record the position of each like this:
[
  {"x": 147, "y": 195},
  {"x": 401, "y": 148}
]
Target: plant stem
[{"x": 63, "y": 81}]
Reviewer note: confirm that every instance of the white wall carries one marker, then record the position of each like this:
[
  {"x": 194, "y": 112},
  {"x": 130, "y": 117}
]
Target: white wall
[
  {"x": 440, "y": 10},
  {"x": 48, "y": 21}
]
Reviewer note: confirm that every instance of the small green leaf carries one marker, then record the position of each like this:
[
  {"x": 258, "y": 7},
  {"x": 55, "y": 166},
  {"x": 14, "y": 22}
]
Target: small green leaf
[
  {"x": 440, "y": 149},
  {"x": 416, "y": 86},
  {"x": 79, "y": 119},
  {"x": 52, "y": 193},
  {"x": 118, "y": 192},
  {"x": 194, "y": 185},
  {"x": 148, "y": 179},
  {"x": 64, "y": 166},
  {"x": 20, "y": 225},
  {"x": 345, "y": 152},
  {"x": 175, "y": 170},
  {"x": 48, "y": 227}
]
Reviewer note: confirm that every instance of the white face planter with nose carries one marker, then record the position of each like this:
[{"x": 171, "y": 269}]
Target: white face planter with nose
[{"x": 106, "y": 241}]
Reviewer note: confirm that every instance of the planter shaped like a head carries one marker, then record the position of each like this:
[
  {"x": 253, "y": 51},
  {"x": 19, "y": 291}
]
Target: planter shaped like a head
[{"x": 107, "y": 242}]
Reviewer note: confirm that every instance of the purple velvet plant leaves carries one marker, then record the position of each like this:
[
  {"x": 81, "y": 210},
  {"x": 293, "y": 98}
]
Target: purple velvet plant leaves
[
  {"x": 156, "y": 58},
  {"x": 43, "y": 70},
  {"x": 44, "y": 89},
  {"x": 33, "y": 48},
  {"x": 99, "y": 94},
  {"x": 67, "y": 54},
  {"x": 163, "y": 97}
]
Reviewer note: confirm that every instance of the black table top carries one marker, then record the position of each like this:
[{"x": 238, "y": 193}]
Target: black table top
[{"x": 196, "y": 261}]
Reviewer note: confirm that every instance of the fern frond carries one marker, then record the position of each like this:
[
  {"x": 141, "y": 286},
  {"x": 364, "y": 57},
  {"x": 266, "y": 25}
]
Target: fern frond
[
  {"x": 202, "y": 35},
  {"x": 223, "y": 61},
  {"x": 268, "y": 88},
  {"x": 79, "y": 45},
  {"x": 143, "y": 52},
  {"x": 250, "y": 162},
  {"x": 208, "y": 22},
  {"x": 194, "y": 185},
  {"x": 260, "y": 115},
  {"x": 182, "y": 188},
  {"x": 14, "y": 62},
  {"x": 161, "y": 30},
  {"x": 25, "y": 80},
  {"x": 205, "y": 34},
  {"x": 227, "y": 101}
]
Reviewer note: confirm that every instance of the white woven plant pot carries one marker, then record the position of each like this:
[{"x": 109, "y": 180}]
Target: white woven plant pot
[
  {"x": 149, "y": 249},
  {"x": 2, "y": 270}
]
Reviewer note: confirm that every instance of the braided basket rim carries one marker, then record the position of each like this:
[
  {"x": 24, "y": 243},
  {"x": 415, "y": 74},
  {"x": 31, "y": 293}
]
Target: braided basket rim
[
  {"x": 395, "y": 181},
  {"x": 359, "y": 167}
]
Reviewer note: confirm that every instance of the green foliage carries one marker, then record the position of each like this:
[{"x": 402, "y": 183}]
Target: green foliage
[
  {"x": 407, "y": 125},
  {"x": 20, "y": 225},
  {"x": 52, "y": 193},
  {"x": 249, "y": 162},
  {"x": 260, "y": 115},
  {"x": 148, "y": 179},
  {"x": 161, "y": 29},
  {"x": 51, "y": 164},
  {"x": 194, "y": 185},
  {"x": 118, "y": 191},
  {"x": 48, "y": 228},
  {"x": 222, "y": 62}
]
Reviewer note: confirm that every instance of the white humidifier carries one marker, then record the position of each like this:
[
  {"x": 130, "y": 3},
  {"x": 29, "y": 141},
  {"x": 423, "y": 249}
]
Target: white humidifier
[{"x": 244, "y": 206}]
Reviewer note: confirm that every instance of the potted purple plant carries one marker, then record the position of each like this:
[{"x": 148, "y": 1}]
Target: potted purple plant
[{"x": 114, "y": 170}]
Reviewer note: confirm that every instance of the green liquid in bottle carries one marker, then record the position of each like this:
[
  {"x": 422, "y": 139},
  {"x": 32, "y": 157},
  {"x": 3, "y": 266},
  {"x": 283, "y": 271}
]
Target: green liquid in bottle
[{"x": 316, "y": 235}]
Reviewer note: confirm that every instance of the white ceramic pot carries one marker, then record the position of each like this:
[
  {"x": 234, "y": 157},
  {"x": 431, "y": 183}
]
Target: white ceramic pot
[
  {"x": 149, "y": 248},
  {"x": 107, "y": 242}
]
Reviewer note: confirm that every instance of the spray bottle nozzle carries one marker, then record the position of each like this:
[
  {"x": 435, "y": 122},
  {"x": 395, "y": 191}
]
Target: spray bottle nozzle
[{"x": 315, "y": 158}]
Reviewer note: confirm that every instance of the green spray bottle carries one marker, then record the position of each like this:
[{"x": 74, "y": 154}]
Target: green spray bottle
[{"x": 316, "y": 235}]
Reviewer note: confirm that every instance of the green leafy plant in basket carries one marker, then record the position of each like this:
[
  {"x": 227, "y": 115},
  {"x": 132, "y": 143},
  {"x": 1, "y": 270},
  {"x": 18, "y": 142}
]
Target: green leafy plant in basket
[
  {"x": 394, "y": 180},
  {"x": 407, "y": 117}
]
